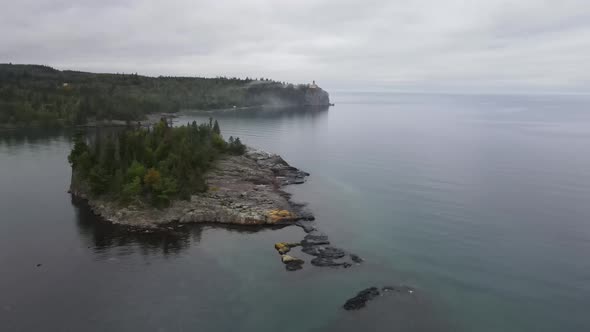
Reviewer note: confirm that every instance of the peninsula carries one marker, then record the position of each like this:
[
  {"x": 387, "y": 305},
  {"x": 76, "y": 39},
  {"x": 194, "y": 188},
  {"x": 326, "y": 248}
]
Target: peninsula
[
  {"x": 35, "y": 95},
  {"x": 147, "y": 178}
]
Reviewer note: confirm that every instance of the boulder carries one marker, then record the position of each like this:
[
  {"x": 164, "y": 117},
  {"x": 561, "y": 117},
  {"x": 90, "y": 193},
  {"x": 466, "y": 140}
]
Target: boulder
[
  {"x": 290, "y": 259},
  {"x": 284, "y": 247}
]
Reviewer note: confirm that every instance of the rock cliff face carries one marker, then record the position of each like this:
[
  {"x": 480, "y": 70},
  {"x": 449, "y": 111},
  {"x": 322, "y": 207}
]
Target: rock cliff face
[
  {"x": 316, "y": 96},
  {"x": 243, "y": 190}
]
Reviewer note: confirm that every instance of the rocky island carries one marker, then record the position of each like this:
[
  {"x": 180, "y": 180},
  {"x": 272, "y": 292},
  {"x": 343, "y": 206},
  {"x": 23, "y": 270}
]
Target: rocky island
[
  {"x": 243, "y": 190},
  {"x": 137, "y": 178}
]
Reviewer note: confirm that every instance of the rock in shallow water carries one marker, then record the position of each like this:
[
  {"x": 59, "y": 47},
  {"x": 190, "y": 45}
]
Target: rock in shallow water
[
  {"x": 356, "y": 258},
  {"x": 368, "y": 294},
  {"x": 292, "y": 263},
  {"x": 313, "y": 240},
  {"x": 361, "y": 298},
  {"x": 331, "y": 252},
  {"x": 284, "y": 247},
  {"x": 306, "y": 224},
  {"x": 326, "y": 261},
  {"x": 312, "y": 250},
  {"x": 293, "y": 267},
  {"x": 316, "y": 243},
  {"x": 325, "y": 252}
]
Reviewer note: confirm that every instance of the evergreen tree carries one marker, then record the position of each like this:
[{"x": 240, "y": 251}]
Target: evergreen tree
[{"x": 216, "y": 128}]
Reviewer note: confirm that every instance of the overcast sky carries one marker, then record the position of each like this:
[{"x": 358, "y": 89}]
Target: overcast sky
[{"x": 444, "y": 45}]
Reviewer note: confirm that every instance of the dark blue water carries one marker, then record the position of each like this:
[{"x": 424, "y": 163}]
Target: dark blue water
[{"x": 480, "y": 202}]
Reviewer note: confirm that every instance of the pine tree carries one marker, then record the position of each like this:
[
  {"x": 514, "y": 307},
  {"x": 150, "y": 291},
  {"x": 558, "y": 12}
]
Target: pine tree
[{"x": 216, "y": 128}]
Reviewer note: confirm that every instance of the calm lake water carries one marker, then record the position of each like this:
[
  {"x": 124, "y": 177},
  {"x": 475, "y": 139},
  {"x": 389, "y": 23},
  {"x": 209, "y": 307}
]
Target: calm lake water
[{"x": 482, "y": 203}]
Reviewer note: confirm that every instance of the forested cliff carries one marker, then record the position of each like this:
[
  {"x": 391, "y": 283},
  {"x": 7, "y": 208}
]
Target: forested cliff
[{"x": 35, "y": 95}]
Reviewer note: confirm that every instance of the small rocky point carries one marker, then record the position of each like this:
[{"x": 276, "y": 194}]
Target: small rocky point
[{"x": 243, "y": 190}]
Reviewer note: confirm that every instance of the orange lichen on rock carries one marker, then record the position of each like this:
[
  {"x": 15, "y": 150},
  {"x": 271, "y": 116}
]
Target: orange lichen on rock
[
  {"x": 279, "y": 215},
  {"x": 285, "y": 247}
]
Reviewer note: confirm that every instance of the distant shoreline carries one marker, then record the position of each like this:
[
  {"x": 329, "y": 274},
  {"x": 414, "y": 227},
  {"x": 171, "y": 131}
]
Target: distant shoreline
[
  {"x": 41, "y": 96},
  {"x": 153, "y": 117}
]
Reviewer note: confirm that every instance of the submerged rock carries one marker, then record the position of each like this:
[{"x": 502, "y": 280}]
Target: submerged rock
[
  {"x": 316, "y": 243},
  {"x": 361, "y": 298},
  {"x": 314, "y": 240},
  {"x": 293, "y": 266},
  {"x": 356, "y": 258},
  {"x": 325, "y": 252},
  {"x": 399, "y": 289},
  {"x": 312, "y": 250},
  {"x": 331, "y": 252},
  {"x": 368, "y": 294},
  {"x": 306, "y": 224},
  {"x": 326, "y": 261}
]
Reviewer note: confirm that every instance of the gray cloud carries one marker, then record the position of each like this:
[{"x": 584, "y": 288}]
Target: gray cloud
[{"x": 376, "y": 44}]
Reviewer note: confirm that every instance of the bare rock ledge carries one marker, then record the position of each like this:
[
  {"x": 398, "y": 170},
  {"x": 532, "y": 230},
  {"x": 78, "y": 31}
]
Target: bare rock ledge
[{"x": 243, "y": 190}]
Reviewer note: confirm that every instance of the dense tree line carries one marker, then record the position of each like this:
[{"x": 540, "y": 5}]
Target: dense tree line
[
  {"x": 33, "y": 95},
  {"x": 154, "y": 165}
]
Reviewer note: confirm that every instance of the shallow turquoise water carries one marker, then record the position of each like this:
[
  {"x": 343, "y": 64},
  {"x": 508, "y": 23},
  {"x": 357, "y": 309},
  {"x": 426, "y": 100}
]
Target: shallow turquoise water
[{"x": 480, "y": 202}]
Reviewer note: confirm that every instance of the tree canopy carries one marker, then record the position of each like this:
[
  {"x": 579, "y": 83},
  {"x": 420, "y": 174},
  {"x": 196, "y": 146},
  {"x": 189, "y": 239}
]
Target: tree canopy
[{"x": 154, "y": 165}]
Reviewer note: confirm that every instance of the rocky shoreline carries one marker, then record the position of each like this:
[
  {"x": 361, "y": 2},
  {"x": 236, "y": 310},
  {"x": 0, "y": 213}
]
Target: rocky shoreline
[
  {"x": 315, "y": 244},
  {"x": 243, "y": 190}
]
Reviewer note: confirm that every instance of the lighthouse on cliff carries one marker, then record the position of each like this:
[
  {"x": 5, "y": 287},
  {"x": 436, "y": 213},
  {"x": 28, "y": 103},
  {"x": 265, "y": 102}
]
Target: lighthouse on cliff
[{"x": 316, "y": 96}]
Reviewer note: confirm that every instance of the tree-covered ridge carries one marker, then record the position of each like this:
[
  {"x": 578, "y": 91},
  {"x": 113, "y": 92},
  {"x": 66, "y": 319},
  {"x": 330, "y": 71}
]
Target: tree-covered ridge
[
  {"x": 33, "y": 95},
  {"x": 154, "y": 165}
]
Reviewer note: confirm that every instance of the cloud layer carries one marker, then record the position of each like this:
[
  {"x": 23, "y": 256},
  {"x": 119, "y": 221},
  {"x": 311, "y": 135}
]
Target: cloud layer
[{"x": 398, "y": 44}]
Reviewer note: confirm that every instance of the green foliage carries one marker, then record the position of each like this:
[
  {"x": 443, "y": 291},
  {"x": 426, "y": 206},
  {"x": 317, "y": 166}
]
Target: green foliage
[
  {"x": 136, "y": 170},
  {"x": 131, "y": 190},
  {"x": 32, "y": 95},
  {"x": 218, "y": 142},
  {"x": 80, "y": 148},
  {"x": 154, "y": 166},
  {"x": 98, "y": 179},
  {"x": 235, "y": 146}
]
